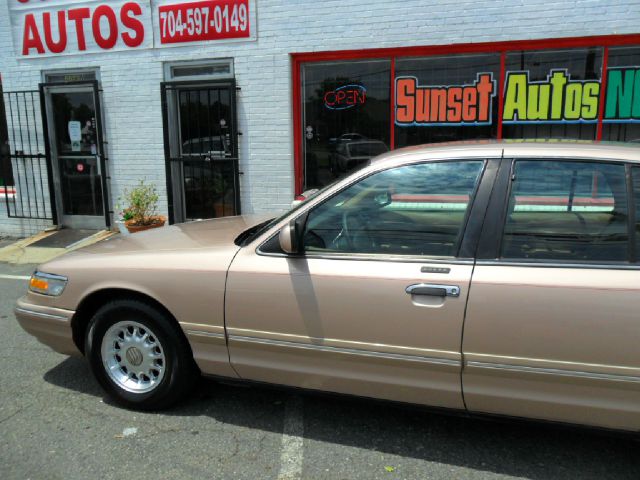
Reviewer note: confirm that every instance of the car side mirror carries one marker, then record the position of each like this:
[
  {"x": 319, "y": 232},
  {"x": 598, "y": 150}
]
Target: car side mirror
[{"x": 290, "y": 238}]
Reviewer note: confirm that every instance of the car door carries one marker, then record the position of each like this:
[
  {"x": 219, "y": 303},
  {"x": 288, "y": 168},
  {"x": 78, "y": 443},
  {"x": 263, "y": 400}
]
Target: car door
[
  {"x": 375, "y": 305},
  {"x": 552, "y": 328}
]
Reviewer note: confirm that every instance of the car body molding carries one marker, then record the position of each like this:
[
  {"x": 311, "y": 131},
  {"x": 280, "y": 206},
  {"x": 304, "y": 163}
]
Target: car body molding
[
  {"x": 348, "y": 351},
  {"x": 554, "y": 371}
]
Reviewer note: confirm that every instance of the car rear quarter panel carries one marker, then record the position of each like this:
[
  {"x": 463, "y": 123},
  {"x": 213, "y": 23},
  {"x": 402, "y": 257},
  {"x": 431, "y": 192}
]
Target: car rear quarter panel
[{"x": 554, "y": 343}]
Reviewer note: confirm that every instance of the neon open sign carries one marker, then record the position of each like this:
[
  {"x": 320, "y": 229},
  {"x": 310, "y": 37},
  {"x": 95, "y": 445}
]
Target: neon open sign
[{"x": 344, "y": 97}]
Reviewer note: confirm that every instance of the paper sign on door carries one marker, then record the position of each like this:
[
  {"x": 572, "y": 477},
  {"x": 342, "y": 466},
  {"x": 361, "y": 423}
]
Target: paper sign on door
[{"x": 75, "y": 135}]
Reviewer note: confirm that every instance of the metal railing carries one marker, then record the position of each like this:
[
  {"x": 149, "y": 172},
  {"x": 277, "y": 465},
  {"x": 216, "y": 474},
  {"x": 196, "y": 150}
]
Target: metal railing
[
  {"x": 201, "y": 149},
  {"x": 24, "y": 159}
]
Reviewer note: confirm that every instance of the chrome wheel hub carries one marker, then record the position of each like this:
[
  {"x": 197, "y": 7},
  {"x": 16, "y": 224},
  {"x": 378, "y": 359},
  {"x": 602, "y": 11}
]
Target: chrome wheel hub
[{"x": 133, "y": 357}]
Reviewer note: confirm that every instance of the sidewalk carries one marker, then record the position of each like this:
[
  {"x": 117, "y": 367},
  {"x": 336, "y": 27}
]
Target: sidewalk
[
  {"x": 4, "y": 241},
  {"x": 20, "y": 252}
]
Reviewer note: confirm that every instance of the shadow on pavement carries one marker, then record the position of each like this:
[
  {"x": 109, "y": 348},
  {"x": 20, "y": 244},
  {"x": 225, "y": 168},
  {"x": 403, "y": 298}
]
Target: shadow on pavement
[{"x": 516, "y": 448}]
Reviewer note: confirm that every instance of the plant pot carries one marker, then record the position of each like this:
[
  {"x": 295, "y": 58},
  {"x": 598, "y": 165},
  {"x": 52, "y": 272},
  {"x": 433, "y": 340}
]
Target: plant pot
[{"x": 158, "y": 221}]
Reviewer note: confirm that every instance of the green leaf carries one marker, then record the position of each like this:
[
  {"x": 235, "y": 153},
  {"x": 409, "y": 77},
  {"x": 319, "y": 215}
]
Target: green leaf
[{"x": 389, "y": 468}]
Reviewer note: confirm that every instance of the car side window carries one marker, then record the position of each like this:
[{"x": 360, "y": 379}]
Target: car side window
[
  {"x": 567, "y": 210},
  {"x": 635, "y": 178},
  {"x": 416, "y": 210}
]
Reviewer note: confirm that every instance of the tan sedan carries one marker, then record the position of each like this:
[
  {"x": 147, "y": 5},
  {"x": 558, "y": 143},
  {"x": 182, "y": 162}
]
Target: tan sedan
[{"x": 499, "y": 278}]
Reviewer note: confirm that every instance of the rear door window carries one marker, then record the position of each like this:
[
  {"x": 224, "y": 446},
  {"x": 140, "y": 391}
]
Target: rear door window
[
  {"x": 635, "y": 178},
  {"x": 568, "y": 211}
]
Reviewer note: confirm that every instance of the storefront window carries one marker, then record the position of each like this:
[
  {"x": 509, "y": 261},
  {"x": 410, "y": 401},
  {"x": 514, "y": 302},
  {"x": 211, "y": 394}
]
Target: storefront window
[
  {"x": 441, "y": 99},
  {"x": 346, "y": 117},
  {"x": 543, "y": 89},
  {"x": 552, "y": 94},
  {"x": 621, "y": 120}
]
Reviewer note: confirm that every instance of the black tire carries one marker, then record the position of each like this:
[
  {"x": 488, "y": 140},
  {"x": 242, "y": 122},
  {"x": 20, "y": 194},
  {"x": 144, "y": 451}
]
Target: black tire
[{"x": 180, "y": 371}]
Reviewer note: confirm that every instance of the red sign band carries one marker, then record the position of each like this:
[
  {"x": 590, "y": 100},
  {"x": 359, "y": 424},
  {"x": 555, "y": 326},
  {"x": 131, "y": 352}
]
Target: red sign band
[{"x": 201, "y": 21}]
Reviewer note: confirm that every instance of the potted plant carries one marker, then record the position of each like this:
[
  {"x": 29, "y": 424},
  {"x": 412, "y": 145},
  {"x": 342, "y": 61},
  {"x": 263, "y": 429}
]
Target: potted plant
[
  {"x": 141, "y": 212},
  {"x": 125, "y": 215}
]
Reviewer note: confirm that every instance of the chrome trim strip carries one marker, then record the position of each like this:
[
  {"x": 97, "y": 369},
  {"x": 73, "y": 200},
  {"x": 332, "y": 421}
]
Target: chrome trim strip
[
  {"x": 551, "y": 156},
  {"x": 554, "y": 371},
  {"x": 351, "y": 351},
  {"x": 432, "y": 289},
  {"x": 368, "y": 257},
  {"x": 40, "y": 314},
  {"x": 590, "y": 266},
  {"x": 50, "y": 276},
  {"x": 202, "y": 333}
]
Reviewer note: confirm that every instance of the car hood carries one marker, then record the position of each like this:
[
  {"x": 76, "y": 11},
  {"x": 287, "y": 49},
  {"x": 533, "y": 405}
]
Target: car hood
[
  {"x": 215, "y": 234},
  {"x": 182, "y": 236},
  {"x": 165, "y": 263}
]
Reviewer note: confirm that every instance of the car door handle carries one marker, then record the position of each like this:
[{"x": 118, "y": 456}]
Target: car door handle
[{"x": 433, "y": 290}]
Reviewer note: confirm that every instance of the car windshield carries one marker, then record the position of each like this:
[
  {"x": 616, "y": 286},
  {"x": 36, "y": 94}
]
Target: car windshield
[{"x": 247, "y": 236}]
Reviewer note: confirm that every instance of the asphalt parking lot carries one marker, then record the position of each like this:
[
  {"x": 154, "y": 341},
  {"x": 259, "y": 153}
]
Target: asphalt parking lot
[{"x": 55, "y": 423}]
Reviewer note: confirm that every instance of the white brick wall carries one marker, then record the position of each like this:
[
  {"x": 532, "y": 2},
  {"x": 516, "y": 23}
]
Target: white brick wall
[{"x": 131, "y": 80}]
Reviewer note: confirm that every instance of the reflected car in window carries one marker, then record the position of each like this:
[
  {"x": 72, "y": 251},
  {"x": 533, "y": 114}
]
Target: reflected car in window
[
  {"x": 346, "y": 137},
  {"x": 488, "y": 278},
  {"x": 213, "y": 147},
  {"x": 354, "y": 154}
]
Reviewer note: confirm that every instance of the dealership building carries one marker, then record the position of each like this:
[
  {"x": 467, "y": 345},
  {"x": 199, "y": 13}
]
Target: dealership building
[{"x": 236, "y": 106}]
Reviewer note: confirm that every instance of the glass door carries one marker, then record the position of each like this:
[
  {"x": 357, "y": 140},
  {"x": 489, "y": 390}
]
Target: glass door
[{"x": 74, "y": 125}]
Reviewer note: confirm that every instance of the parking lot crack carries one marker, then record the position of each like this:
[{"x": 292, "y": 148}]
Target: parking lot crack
[{"x": 17, "y": 412}]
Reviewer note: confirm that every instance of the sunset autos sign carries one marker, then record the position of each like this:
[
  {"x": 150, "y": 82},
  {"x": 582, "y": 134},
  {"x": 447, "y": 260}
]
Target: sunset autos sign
[
  {"x": 623, "y": 95},
  {"x": 557, "y": 99},
  {"x": 560, "y": 99},
  {"x": 454, "y": 105}
]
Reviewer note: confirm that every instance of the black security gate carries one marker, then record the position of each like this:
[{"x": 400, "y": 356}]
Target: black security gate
[
  {"x": 201, "y": 150},
  {"x": 25, "y": 173}
]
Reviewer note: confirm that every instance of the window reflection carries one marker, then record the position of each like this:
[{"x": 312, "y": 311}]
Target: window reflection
[
  {"x": 624, "y": 58},
  {"x": 346, "y": 117},
  {"x": 410, "y": 210}
]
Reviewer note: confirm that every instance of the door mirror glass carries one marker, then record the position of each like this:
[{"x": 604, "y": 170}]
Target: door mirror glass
[{"x": 288, "y": 238}]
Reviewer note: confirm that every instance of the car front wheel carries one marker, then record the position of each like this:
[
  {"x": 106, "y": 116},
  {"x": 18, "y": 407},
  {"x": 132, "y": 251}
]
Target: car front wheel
[{"x": 139, "y": 355}]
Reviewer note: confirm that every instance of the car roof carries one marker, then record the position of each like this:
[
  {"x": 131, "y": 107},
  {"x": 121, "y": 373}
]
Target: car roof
[{"x": 514, "y": 148}]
